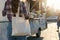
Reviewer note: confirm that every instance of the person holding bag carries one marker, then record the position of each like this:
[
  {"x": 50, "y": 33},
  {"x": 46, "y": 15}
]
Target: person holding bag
[
  {"x": 7, "y": 10},
  {"x": 10, "y": 13},
  {"x": 18, "y": 23},
  {"x": 22, "y": 10},
  {"x": 21, "y": 22}
]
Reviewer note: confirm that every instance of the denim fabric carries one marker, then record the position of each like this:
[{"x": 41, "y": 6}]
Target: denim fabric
[
  {"x": 9, "y": 31},
  {"x": 3, "y": 30},
  {"x": 58, "y": 23},
  {"x": 6, "y": 30},
  {"x": 34, "y": 24},
  {"x": 31, "y": 25}
]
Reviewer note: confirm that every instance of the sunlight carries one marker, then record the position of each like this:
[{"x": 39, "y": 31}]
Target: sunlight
[
  {"x": 54, "y": 3},
  {"x": 23, "y": 0}
]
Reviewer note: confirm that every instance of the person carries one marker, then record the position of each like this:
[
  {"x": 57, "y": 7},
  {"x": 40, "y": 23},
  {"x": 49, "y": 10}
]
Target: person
[
  {"x": 34, "y": 24},
  {"x": 10, "y": 13},
  {"x": 21, "y": 11},
  {"x": 7, "y": 9},
  {"x": 58, "y": 23},
  {"x": 14, "y": 14}
]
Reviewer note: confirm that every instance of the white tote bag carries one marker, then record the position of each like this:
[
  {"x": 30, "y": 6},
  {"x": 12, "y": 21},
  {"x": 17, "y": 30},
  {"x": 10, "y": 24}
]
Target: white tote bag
[{"x": 20, "y": 27}]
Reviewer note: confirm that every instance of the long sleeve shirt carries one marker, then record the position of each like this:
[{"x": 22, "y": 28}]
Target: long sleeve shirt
[{"x": 7, "y": 7}]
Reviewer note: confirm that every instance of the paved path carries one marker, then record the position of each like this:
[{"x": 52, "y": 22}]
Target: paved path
[{"x": 51, "y": 32}]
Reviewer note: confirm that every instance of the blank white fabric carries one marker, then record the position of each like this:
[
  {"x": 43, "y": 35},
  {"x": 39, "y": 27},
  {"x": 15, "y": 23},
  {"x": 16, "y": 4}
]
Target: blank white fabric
[{"x": 20, "y": 26}]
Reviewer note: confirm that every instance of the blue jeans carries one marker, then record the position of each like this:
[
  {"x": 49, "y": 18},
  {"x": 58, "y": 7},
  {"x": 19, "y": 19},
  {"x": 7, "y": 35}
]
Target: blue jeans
[
  {"x": 34, "y": 24},
  {"x": 9, "y": 32},
  {"x": 58, "y": 24}
]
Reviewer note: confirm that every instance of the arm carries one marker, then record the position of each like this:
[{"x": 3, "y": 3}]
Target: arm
[
  {"x": 4, "y": 10},
  {"x": 5, "y": 5}
]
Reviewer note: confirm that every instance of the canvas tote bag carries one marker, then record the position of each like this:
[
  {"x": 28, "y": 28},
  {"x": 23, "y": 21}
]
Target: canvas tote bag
[{"x": 20, "y": 27}]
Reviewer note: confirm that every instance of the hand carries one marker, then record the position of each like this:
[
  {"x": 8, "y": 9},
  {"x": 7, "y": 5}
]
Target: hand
[{"x": 3, "y": 13}]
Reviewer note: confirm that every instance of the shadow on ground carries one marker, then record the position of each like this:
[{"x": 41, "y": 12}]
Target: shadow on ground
[{"x": 34, "y": 38}]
